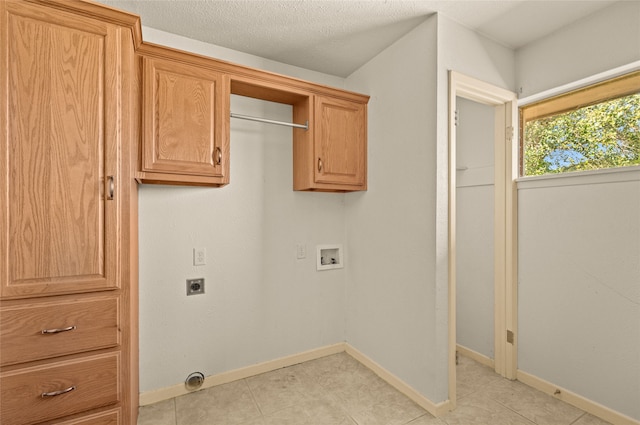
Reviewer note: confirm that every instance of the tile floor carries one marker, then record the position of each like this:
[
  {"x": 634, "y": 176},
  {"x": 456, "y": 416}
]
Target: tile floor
[{"x": 338, "y": 390}]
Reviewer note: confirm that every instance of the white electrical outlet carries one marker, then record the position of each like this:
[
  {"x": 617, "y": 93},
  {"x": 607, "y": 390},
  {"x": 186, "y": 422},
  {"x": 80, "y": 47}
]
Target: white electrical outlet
[
  {"x": 301, "y": 251},
  {"x": 199, "y": 256}
]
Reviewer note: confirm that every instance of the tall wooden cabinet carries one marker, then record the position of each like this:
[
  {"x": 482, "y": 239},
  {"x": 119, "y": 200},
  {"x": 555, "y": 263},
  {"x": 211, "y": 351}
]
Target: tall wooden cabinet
[{"x": 67, "y": 267}]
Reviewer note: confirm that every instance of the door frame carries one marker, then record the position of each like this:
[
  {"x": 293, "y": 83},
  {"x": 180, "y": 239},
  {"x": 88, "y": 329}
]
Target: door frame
[{"x": 505, "y": 221}]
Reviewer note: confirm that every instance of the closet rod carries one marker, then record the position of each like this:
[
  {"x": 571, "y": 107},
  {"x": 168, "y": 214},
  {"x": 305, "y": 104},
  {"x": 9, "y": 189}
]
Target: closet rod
[{"x": 288, "y": 124}]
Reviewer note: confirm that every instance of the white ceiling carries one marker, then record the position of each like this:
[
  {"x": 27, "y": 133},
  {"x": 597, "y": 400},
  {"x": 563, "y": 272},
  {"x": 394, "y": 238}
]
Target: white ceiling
[{"x": 338, "y": 36}]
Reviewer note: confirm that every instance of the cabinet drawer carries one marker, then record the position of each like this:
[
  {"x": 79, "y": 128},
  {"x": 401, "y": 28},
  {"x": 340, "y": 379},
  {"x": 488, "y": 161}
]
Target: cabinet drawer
[
  {"x": 112, "y": 417},
  {"x": 93, "y": 382},
  {"x": 77, "y": 326}
]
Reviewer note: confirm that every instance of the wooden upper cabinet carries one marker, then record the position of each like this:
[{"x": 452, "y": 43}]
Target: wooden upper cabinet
[
  {"x": 59, "y": 120},
  {"x": 333, "y": 155},
  {"x": 340, "y": 142},
  {"x": 185, "y": 109}
]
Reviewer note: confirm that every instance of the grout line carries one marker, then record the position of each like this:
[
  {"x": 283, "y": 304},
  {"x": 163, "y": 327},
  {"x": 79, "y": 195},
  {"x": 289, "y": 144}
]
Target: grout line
[
  {"x": 516, "y": 412},
  {"x": 511, "y": 409},
  {"x": 175, "y": 411},
  {"x": 355, "y": 422},
  {"x": 253, "y": 397},
  {"x": 578, "y": 418},
  {"x": 426, "y": 414}
]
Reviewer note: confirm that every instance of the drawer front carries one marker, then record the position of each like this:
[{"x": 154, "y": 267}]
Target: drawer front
[
  {"x": 27, "y": 395},
  {"x": 72, "y": 326},
  {"x": 112, "y": 417}
]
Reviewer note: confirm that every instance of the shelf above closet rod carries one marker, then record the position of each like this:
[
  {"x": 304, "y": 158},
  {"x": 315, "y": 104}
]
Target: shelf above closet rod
[{"x": 304, "y": 126}]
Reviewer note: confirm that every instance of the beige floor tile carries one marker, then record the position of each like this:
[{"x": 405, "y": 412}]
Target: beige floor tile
[
  {"x": 472, "y": 376},
  {"x": 307, "y": 413},
  {"x": 282, "y": 388},
  {"x": 532, "y": 404},
  {"x": 162, "y": 413},
  {"x": 229, "y": 404},
  {"x": 477, "y": 409},
  {"x": 339, "y": 371},
  {"x": 588, "y": 419},
  {"x": 347, "y": 382},
  {"x": 427, "y": 419},
  {"x": 389, "y": 407},
  {"x": 325, "y": 411},
  {"x": 256, "y": 421},
  {"x": 294, "y": 415}
]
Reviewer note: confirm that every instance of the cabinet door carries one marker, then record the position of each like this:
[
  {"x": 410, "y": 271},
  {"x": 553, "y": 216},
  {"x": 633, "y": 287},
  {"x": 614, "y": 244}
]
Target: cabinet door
[
  {"x": 183, "y": 120},
  {"x": 340, "y": 142},
  {"x": 58, "y": 152}
]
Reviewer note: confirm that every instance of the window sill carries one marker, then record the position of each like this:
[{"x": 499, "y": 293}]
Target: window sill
[{"x": 611, "y": 175}]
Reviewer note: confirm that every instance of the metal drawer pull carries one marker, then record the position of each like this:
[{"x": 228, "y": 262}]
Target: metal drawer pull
[
  {"x": 218, "y": 156},
  {"x": 319, "y": 165},
  {"x": 57, "y": 331},
  {"x": 55, "y": 393},
  {"x": 111, "y": 188}
]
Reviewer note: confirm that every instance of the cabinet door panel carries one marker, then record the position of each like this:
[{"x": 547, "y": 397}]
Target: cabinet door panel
[
  {"x": 58, "y": 232},
  {"x": 183, "y": 119},
  {"x": 340, "y": 142}
]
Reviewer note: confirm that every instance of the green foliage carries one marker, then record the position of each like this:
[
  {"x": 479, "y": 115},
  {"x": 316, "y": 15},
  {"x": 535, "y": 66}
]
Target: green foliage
[{"x": 604, "y": 135}]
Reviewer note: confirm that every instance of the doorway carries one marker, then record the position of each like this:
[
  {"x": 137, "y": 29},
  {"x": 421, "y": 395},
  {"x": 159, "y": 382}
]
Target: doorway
[
  {"x": 472, "y": 93},
  {"x": 475, "y": 205}
]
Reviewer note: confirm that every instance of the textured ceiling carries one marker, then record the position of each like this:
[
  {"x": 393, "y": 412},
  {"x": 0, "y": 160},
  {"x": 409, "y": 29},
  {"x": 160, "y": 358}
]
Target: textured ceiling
[{"x": 337, "y": 37}]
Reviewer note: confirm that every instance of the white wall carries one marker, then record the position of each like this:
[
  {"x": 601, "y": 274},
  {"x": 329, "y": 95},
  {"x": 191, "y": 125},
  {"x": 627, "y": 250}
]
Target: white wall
[
  {"x": 474, "y": 226},
  {"x": 390, "y": 228},
  {"x": 605, "y": 40},
  {"x": 261, "y": 303},
  {"x": 397, "y": 231},
  {"x": 579, "y": 238},
  {"x": 579, "y": 289}
]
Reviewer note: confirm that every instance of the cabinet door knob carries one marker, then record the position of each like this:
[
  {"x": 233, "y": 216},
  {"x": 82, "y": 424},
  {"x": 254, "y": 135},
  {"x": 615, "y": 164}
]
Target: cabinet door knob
[
  {"x": 111, "y": 188},
  {"x": 319, "y": 165},
  {"x": 218, "y": 156},
  {"x": 55, "y": 393},
  {"x": 57, "y": 331}
]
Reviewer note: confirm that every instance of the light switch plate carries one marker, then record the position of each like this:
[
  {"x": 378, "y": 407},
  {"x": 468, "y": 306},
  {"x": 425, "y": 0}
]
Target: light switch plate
[{"x": 301, "y": 251}]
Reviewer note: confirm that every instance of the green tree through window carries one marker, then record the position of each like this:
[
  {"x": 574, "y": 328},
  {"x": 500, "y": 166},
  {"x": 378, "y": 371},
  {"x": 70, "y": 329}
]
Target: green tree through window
[{"x": 603, "y": 135}]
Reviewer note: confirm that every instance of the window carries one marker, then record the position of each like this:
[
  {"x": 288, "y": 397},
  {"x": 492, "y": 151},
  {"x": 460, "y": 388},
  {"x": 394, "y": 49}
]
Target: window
[{"x": 588, "y": 129}]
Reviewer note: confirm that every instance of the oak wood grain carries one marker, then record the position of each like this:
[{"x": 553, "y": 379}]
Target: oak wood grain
[
  {"x": 61, "y": 94},
  {"x": 95, "y": 320},
  {"x": 95, "y": 380},
  {"x": 185, "y": 109}
]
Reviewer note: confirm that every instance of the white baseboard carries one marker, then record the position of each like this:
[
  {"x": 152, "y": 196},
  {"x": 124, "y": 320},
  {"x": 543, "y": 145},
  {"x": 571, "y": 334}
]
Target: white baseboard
[
  {"x": 576, "y": 400},
  {"x": 474, "y": 355},
  {"x": 155, "y": 396},
  {"x": 436, "y": 409}
]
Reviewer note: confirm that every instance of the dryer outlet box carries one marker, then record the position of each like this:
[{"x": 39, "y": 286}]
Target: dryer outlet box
[{"x": 195, "y": 286}]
